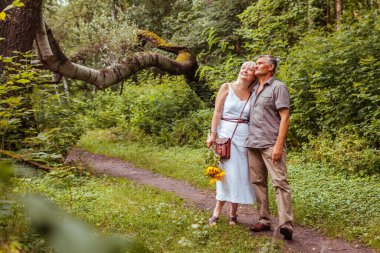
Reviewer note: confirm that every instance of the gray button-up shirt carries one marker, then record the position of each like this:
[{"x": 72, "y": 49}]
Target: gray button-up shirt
[{"x": 264, "y": 118}]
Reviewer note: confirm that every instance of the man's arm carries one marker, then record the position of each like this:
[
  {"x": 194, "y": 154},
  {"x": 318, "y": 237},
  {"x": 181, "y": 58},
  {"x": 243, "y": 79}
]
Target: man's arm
[{"x": 282, "y": 134}]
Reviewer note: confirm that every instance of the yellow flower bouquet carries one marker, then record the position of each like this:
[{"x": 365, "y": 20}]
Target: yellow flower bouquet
[
  {"x": 214, "y": 173},
  {"x": 212, "y": 170}
]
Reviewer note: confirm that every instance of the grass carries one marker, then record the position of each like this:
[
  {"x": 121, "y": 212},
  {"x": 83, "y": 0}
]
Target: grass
[
  {"x": 336, "y": 204},
  {"x": 161, "y": 220}
]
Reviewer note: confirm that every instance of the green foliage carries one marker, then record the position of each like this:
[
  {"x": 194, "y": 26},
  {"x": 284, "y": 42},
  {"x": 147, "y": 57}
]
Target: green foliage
[
  {"x": 196, "y": 21},
  {"x": 16, "y": 109},
  {"x": 216, "y": 75},
  {"x": 346, "y": 151},
  {"x": 91, "y": 33},
  {"x": 155, "y": 110},
  {"x": 110, "y": 109},
  {"x": 334, "y": 203},
  {"x": 193, "y": 129},
  {"x": 334, "y": 83},
  {"x": 273, "y": 27},
  {"x": 15, "y": 3},
  {"x": 165, "y": 109},
  {"x": 33, "y": 114}
]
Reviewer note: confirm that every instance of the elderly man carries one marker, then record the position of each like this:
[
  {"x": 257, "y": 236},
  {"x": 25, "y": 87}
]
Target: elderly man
[{"x": 268, "y": 128}]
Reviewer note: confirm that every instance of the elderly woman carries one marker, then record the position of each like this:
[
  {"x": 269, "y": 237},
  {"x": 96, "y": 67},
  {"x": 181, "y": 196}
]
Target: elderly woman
[{"x": 230, "y": 102}]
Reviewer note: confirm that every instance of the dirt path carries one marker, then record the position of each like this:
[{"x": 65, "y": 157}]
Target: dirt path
[{"x": 304, "y": 239}]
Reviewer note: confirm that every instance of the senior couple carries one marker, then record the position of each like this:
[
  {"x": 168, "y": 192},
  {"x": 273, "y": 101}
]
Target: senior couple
[{"x": 261, "y": 105}]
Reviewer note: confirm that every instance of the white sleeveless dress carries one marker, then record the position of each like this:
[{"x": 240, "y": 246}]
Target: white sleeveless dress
[{"x": 235, "y": 186}]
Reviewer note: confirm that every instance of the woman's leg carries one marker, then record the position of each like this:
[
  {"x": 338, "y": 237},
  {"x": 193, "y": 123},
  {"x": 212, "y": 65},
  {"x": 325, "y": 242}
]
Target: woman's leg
[
  {"x": 215, "y": 215},
  {"x": 218, "y": 208},
  {"x": 233, "y": 210},
  {"x": 233, "y": 214}
]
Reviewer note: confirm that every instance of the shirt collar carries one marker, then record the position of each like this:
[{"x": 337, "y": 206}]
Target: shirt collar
[{"x": 269, "y": 83}]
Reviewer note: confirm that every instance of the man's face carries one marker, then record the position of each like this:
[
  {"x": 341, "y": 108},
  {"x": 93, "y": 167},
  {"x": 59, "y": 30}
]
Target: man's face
[{"x": 262, "y": 67}]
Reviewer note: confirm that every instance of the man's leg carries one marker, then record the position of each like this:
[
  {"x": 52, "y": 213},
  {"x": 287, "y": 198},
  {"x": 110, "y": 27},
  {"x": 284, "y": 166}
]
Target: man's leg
[
  {"x": 278, "y": 174},
  {"x": 259, "y": 179}
]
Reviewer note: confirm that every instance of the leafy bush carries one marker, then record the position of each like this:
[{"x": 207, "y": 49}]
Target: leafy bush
[
  {"x": 334, "y": 82},
  {"x": 346, "y": 151},
  {"x": 160, "y": 106},
  {"x": 273, "y": 26},
  {"x": 110, "y": 109},
  {"x": 33, "y": 114},
  {"x": 192, "y": 130}
]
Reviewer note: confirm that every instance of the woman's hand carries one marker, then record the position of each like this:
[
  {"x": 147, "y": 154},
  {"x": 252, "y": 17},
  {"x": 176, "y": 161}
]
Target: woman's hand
[{"x": 211, "y": 140}]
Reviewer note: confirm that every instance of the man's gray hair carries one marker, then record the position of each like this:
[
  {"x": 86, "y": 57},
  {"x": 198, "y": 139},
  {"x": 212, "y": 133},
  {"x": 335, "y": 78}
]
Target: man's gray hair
[{"x": 271, "y": 60}]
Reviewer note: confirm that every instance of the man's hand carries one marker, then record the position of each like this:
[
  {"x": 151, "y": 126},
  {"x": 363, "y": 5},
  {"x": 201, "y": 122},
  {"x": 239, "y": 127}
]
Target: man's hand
[{"x": 277, "y": 153}]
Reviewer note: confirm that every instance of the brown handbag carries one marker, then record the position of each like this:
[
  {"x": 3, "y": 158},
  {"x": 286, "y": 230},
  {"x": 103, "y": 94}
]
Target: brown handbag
[{"x": 223, "y": 145}]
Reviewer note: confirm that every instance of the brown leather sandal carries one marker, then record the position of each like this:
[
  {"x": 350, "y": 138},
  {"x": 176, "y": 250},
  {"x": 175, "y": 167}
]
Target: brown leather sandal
[{"x": 213, "y": 221}]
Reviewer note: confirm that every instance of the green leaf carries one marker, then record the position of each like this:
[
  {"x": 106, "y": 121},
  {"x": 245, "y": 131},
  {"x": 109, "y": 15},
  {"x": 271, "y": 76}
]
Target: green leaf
[
  {"x": 23, "y": 81},
  {"x": 3, "y": 15},
  {"x": 17, "y": 3}
]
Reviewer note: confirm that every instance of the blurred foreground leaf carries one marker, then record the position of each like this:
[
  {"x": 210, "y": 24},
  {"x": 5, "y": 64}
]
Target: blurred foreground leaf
[{"x": 68, "y": 235}]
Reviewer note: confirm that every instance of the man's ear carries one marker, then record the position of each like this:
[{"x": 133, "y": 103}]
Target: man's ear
[{"x": 271, "y": 67}]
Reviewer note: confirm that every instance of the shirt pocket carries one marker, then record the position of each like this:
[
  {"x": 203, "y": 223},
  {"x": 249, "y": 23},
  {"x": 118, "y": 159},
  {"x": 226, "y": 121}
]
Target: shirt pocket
[{"x": 267, "y": 100}]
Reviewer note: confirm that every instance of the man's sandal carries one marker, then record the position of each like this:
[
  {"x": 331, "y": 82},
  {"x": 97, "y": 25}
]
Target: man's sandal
[
  {"x": 213, "y": 221},
  {"x": 232, "y": 221}
]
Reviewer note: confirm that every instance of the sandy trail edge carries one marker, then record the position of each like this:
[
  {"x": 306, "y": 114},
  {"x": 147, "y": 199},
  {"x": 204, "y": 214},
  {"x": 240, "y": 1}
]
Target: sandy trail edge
[{"x": 304, "y": 239}]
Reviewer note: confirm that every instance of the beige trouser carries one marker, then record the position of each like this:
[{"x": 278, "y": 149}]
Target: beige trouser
[{"x": 260, "y": 163}]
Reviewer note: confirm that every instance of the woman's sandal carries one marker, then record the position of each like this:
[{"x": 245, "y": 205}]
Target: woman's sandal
[
  {"x": 213, "y": 221},
  {"x": 232, "y": 221}
]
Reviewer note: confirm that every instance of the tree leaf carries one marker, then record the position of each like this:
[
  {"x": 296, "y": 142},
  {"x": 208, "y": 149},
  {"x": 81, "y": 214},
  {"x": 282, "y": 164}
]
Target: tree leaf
[
  {"x": 23, "y": 81},
  {"x": 19, "y": 5},
  {"x": 3, "y": 15}
]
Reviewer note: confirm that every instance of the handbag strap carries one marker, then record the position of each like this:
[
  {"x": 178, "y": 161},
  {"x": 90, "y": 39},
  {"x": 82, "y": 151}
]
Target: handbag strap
[{"x": 241, "y": 114}]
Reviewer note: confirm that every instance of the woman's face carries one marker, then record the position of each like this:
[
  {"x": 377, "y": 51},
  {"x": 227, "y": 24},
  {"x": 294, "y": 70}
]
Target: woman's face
[{"x": 247, "y": 71}]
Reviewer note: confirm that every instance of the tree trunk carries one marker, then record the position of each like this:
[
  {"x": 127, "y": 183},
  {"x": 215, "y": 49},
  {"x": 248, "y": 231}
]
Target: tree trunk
[
  {"x": 338, "y": 13},
  {"x": 328, "y": 14},
  {"x": 19, "y": 28}
]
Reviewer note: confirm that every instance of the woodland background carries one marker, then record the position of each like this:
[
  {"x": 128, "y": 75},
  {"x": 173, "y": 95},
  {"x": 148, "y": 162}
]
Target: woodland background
[{"x": 329, "y": 59}]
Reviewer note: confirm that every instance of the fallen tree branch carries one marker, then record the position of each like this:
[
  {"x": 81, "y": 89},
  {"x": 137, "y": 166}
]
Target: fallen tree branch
[{"x": 22, "y": 159}]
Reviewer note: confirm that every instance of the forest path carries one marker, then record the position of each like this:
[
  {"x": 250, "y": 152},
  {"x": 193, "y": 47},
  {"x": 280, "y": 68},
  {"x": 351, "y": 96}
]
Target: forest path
[{"x": 304, "y": 239}]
